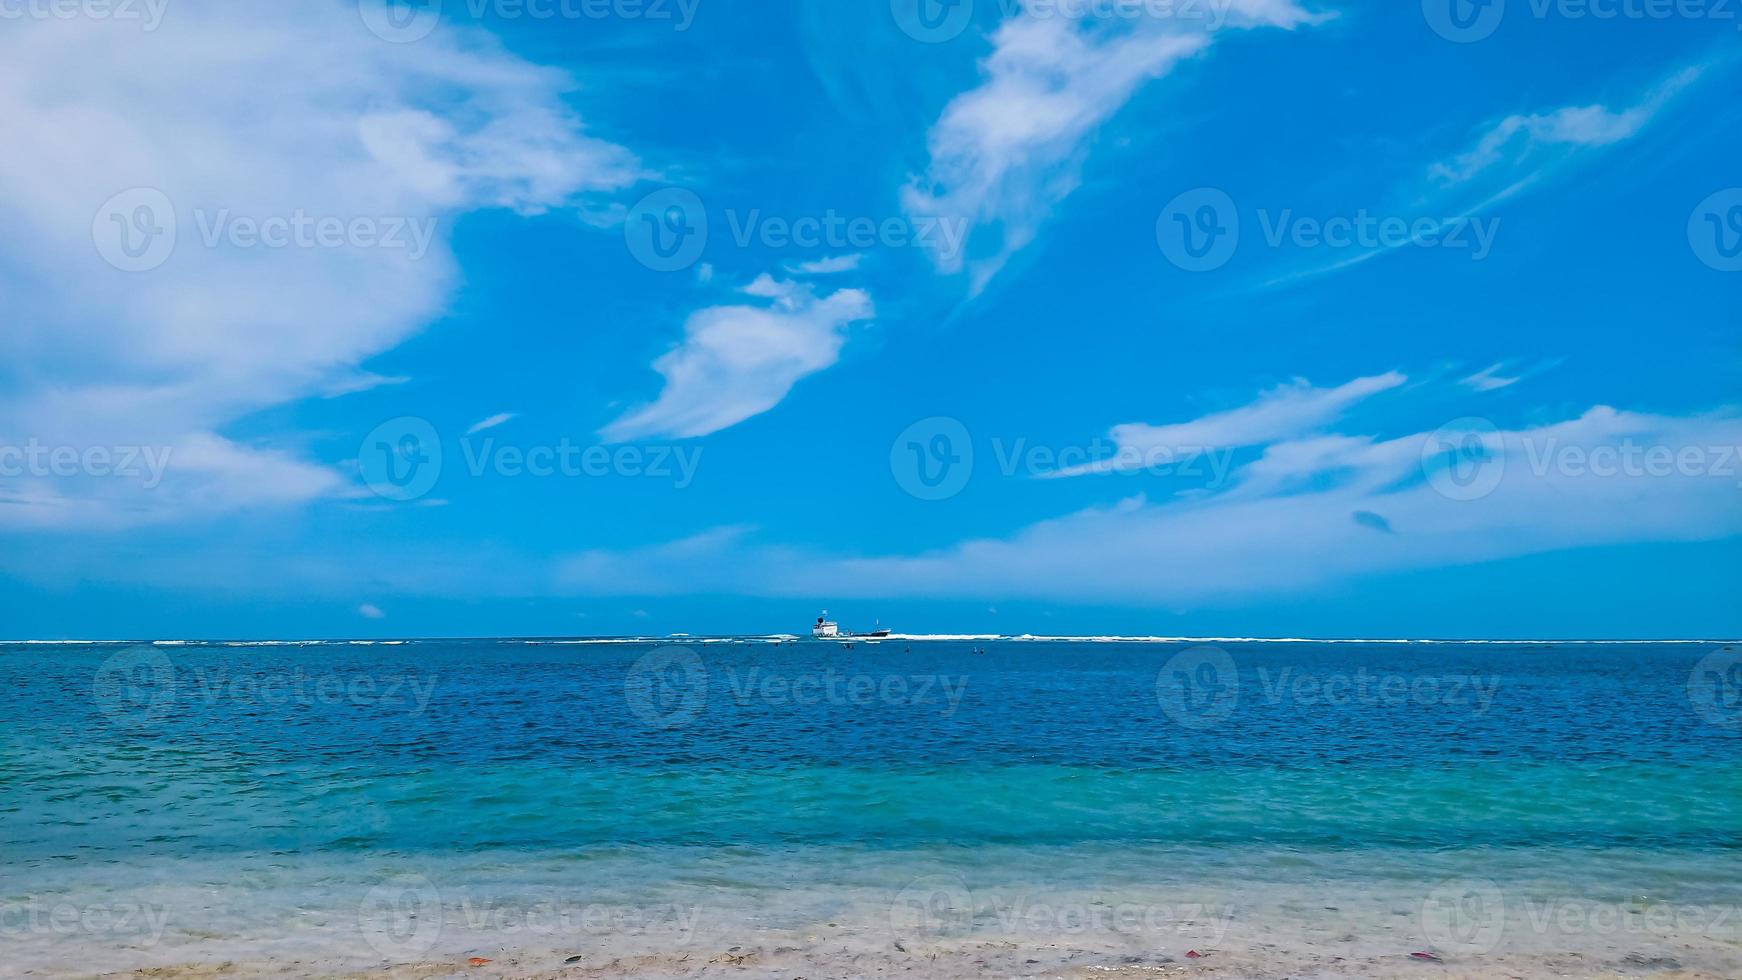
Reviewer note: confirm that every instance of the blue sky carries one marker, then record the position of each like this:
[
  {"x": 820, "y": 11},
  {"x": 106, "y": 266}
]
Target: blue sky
[{"x": 1236, "y": 317}]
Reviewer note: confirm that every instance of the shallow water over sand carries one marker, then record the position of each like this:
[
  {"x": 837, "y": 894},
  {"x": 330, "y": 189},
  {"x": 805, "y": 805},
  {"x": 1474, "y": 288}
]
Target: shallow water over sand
[{"x": 1285, "y": 804}]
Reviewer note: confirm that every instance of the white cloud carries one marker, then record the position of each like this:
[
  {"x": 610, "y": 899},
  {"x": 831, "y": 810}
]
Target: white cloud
[
  {"x": 1004, "y": 153},
  {"x": 1514, "y": 139},
  {"x": 1300, "y": 518},
  {"x": 243, "y": 113},
  {"x": 827, "y": 266},
  {"x": 739, "y": 361},
  {"x": 1510, "y": 158},
  {"x": 1282, "y": 412},
  {"x": 369, "y": 610},
  {"x": 491, "y": 422},
  {"x": 1490, "y": 379}
]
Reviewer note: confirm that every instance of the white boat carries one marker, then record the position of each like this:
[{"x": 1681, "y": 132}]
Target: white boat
[{"x": 827, "y": 629}]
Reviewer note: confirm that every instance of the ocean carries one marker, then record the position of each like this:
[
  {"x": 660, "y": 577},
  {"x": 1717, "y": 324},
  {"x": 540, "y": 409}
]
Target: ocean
[{"x": 359, "y": 804}]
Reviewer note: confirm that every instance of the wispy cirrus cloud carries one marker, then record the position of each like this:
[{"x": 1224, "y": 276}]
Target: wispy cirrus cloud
[
  {"x": 1509, "y": 158},
  {"x": 1490, "y": 379},
  {"x": 1004, "y": 153},
  {"x": 492, "y": 422},
  {"x": 1434, "y": 499},
  {"x": 1526, "y": 139},
  {"x": 1284, "y": 411}
]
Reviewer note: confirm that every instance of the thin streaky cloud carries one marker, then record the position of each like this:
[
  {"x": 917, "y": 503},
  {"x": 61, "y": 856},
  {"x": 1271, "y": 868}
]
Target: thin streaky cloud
[
  {"x": 1282, "y": 412},
  {"x": 491, "y": 422},
  {"x": 1516, "y": 150}
]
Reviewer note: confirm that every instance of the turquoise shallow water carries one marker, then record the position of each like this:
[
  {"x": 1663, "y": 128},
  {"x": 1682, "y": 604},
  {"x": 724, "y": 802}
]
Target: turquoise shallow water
[{"x": 1602, "y": 771}]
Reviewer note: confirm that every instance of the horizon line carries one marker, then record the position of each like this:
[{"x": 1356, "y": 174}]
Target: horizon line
[{"x": 849, "y": 638}]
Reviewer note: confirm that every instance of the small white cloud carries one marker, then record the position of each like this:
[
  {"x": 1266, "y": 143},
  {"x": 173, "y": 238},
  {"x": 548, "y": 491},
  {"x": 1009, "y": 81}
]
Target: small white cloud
[
  {"x": 357, "y": 381},
  {"x": 828, "y": 266},
  {"x": 491, "y": 422},
  {"x": 705, "y": 273},
  {"x": 739, "y": 361},
  {"x": 369, "y": 610},
  {"x": 1490, "y": 379}
]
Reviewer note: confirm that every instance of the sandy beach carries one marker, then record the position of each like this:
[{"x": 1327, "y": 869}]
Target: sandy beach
[{"x": 1452, "y": 930}]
